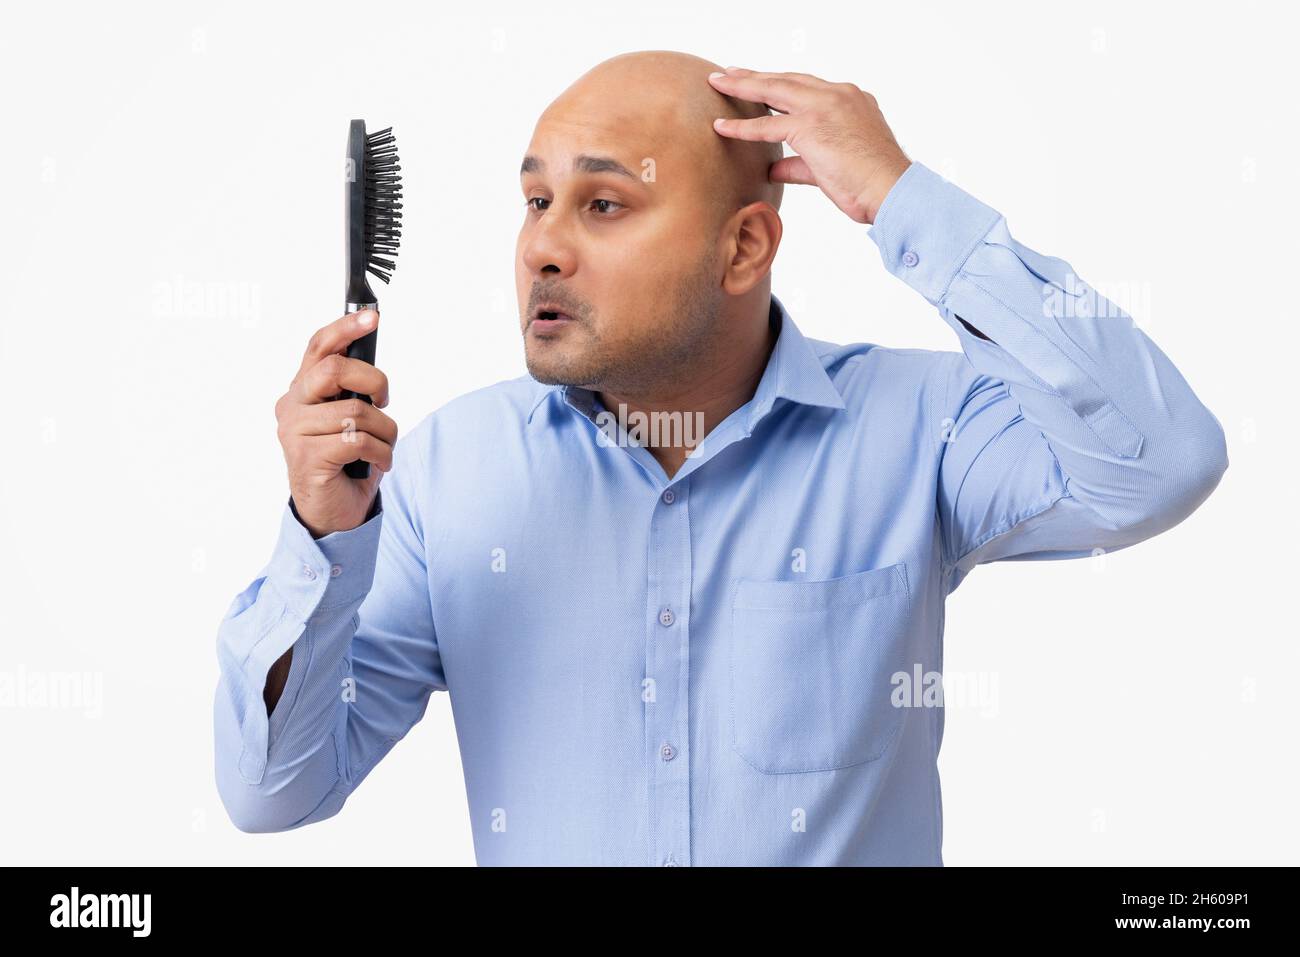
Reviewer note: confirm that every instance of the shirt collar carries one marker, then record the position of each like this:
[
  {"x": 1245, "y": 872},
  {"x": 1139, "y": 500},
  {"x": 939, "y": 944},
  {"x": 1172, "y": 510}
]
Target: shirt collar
[{"x": 794, "y": 372}]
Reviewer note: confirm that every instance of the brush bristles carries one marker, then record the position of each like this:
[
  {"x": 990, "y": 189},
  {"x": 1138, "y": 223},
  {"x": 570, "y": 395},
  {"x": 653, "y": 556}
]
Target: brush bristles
[{"x": 383, "y": 204}]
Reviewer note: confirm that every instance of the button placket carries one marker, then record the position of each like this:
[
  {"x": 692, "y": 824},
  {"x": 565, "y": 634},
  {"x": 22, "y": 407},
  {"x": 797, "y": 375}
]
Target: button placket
[{"x": 667, "y": 729}]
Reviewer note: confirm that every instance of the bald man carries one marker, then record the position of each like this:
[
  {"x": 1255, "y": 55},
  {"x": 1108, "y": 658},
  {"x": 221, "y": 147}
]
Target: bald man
[{"x": 685, "y": 581}]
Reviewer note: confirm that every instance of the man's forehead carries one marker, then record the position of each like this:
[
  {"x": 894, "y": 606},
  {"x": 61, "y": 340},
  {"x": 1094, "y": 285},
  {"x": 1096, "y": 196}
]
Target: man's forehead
[{"x": 617, "y": 143}]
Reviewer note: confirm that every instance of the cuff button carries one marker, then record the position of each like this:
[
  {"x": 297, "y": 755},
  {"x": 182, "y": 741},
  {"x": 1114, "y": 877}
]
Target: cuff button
[{"x": 910, "y": 258}]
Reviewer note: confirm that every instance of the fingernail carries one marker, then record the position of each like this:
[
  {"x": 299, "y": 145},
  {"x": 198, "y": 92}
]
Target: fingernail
[
  {"x": 366, "y": 319},
  {"x": 719, "y": 121},
  {"x": 714, "y": 76},
  {"x": 732, "y": 68}
]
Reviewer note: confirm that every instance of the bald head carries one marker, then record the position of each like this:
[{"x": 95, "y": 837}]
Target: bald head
[
  {"x": 665, "y": 103},
  {"x": 648, "y": 233}
]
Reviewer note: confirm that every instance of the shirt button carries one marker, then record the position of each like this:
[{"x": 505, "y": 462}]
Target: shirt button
[
  {"x": 336, "y": 571},
  {"x": 309, "y": 572},
  {"x": 666, "y": 617},
  {"x": 669, "y": 496},
  {"x": 667, "y": 752},
  {"x": 910, "y": 258},
  {"x": 670, "y": 862}
]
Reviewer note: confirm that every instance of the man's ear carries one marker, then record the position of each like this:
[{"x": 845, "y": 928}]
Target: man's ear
[{"x": 752, "y": 235}]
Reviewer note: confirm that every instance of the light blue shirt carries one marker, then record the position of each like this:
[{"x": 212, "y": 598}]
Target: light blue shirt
[{"x": 716, "y": 669}]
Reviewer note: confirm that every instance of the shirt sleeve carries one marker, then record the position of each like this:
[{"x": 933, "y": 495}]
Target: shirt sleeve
[
  {"x": 354, "y": 606},
  {"x": 1063, "y": 428}
]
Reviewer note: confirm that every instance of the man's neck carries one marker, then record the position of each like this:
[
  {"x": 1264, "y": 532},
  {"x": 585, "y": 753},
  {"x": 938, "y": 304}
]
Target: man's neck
[{"x": 705, "y": 395}]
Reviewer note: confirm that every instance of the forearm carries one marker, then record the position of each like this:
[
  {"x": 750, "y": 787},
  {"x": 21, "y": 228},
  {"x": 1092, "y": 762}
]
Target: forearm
[
  {"x": 275, "y": 680},
  {"x": 278, "y": 676},
  {"x": 279, "y": 716},
  {"x": 1134, "y": 443}
]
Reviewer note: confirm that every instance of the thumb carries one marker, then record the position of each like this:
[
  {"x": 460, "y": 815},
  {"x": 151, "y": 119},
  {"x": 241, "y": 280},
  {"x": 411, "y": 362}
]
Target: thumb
[{"x": 791, "y": 169}]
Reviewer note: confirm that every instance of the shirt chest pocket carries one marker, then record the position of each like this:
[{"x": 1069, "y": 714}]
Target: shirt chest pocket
[{"x": 812, "y": 667}]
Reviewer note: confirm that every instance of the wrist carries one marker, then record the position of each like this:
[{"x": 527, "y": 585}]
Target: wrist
[{"x": 873, "y": 196}]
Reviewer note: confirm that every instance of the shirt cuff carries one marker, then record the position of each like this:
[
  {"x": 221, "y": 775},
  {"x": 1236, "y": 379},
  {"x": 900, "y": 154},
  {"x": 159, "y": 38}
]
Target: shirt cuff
[
  {"x": 927, "y": 228},
  {"x": 337, "y": 569}
]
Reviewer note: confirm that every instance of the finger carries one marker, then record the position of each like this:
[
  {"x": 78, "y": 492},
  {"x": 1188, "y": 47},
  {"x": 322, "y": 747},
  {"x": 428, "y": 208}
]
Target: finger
[
  {"x": 348, "y": 447},
  {"x": 338, "y": 335},
  {"x": 331, "y": 418},
  {"x": 779, "y": 92},
  {"x": 331, "y": 375},
  {"x": 791, "y": 169},
  {"x": 769, "y": 129},
  {"x": 806, "y": 78}
]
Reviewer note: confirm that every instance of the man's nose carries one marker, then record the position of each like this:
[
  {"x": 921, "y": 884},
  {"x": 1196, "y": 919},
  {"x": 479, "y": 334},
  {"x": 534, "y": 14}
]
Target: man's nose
[{"x": 548, "y": 248}]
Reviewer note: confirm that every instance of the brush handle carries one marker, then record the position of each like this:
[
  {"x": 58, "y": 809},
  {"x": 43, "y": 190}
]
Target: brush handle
[{"x": 363, "y": 349}]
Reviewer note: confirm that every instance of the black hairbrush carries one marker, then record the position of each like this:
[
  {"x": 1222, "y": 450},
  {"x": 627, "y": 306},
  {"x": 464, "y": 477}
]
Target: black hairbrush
[{"x": 374, "y": 219}]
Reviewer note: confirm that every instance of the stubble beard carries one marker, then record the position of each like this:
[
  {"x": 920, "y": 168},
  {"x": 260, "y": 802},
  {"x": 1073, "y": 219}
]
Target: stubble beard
[{"x": 658, "y": 358}]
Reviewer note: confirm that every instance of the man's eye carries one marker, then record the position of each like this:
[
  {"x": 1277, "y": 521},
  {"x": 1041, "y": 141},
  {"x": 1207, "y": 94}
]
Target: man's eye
[{"x": 530, "y": 203}]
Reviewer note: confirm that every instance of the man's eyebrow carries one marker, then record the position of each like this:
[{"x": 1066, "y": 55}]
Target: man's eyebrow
[{"x": 583, "y": 163}]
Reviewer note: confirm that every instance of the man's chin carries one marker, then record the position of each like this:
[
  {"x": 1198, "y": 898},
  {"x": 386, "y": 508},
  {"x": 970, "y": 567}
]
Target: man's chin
[{"x": 550, "y": 372}]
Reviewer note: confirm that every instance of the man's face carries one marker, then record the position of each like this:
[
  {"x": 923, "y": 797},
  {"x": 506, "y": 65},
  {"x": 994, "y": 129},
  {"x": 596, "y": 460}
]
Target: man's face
[{"x": 620, "y": 236}]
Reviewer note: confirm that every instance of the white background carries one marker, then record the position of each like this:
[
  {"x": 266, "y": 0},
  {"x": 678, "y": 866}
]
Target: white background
[{"x": 170, "y": 189}]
